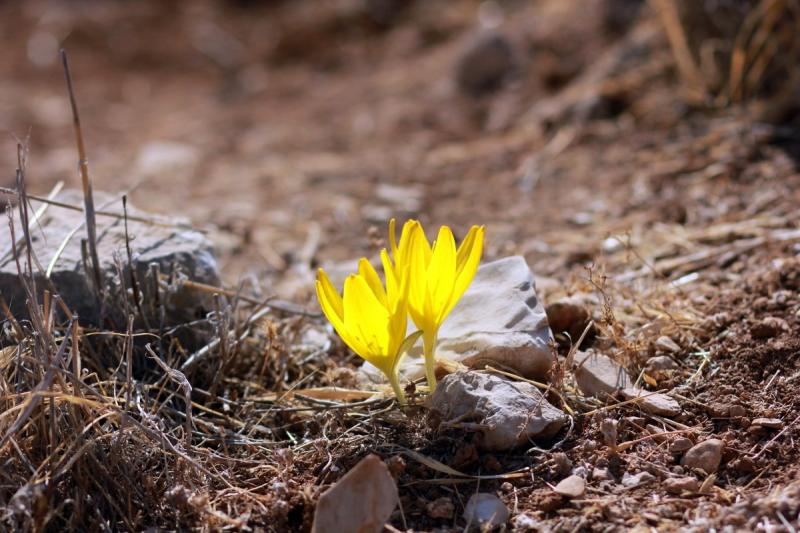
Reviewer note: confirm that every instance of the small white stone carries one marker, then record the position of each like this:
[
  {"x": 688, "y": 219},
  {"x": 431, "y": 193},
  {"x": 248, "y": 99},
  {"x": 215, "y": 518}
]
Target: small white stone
[
  {"x": 571, "y": 487},
  {"x": 485, "y": 510}
]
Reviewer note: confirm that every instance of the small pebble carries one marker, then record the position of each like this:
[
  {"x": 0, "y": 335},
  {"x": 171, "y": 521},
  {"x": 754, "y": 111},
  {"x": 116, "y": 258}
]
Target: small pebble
[
  {"x": 665, "y": 344},
  {"x": 678, "y": 485},
  {"x": 769, "y": 327},
  {"x": 571, "y": 487},
  {"x": 771, "y": 423},
  {"x": 737, "y": 411},
  {"x": 705, "y": 456},
  {"x": 680, "y": 445}
]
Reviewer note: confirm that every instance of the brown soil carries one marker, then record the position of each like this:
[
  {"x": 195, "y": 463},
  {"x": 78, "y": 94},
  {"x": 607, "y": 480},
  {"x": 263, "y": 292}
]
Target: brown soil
[{"x": 676, "y": 219}]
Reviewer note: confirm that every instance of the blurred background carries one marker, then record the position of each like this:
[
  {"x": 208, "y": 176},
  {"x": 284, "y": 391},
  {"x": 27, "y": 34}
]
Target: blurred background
[{"x": 293, "y": 130}]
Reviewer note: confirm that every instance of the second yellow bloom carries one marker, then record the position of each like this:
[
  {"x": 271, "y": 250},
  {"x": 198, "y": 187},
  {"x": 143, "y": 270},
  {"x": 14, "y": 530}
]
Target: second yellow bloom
[{"x": 438, "y": 276}]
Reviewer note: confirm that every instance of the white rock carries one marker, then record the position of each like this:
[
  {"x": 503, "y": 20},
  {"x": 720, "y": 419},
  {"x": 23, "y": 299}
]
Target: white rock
[
  {"x": 363, "y": 500},
  {"x": 506, "y": 413},
  {"x": 485, "y": 510},
  {"x": 499, "y": 321},
  {"x": 177, "y": 250},
  {"x": 598, "y": 375}
]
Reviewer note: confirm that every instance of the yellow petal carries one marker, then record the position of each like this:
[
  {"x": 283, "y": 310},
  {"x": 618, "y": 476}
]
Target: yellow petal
[
  {"x": 367, "y": 271},
  {"x": 417, "y": 273},
  {"x": 465, "y": 246},
  {"x": 330, "y": 293},
  {"x": 467, "y": 270},
  {"x": 365, "y": 317},
  {"x": 390, "y": 274},
  {"x": 441, "y": 274},
  {"x": 412, "y": 230},
  {"x": 399, "y": 315},
  {"x": 393, "y": 237},
  {"x": 336, "y": 320}
]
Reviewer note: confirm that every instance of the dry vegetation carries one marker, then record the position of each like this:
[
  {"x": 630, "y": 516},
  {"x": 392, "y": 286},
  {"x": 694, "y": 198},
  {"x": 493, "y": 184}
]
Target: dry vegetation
[{"x": 648, "y": 168}]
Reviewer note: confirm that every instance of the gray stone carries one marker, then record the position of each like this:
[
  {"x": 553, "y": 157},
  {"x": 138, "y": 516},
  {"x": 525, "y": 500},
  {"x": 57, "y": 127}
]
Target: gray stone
[
  {"x": 499, "y": 322},
  {"x": 637, "y": 480},
  {"x": 363, "y": 500},
  {"x": 485, "y": 510},
  {"x": 571, "y": 487},
  {"x": 654, "y": 403},
  {"x": 506, "y": 413},
  {"x": 180, "y": 253},
  {"x": 485, "y": 64},
  {"x": 704, "y": 456},
  {"x": 598, "y": 375}
]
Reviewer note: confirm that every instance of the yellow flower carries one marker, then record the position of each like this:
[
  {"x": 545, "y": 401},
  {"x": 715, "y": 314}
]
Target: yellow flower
[
  {"x": 370, "y": 320},
  {"x": 438, "y": 277}
]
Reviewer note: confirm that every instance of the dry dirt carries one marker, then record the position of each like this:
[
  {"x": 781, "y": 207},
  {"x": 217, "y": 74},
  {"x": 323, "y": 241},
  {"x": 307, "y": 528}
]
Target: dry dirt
[{"x": 301, "y": 127}]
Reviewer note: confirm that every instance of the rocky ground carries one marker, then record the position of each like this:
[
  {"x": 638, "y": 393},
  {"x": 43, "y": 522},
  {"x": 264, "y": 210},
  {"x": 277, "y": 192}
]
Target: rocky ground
[{"x": 652, "y": 193}]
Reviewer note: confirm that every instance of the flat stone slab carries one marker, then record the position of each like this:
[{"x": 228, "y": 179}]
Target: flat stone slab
[
  {"x": 499, "y": 322},
  {"x": 179, "y": 252},
  {"x": 505, "y": 413}
]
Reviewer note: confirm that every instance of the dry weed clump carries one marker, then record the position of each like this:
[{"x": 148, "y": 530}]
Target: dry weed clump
[
  {"x": 736, "y": 52},
  {"x": 109, "y": 429}
]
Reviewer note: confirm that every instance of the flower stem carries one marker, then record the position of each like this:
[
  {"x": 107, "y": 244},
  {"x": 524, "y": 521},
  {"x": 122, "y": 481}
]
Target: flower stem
[
  {"x": 429, "y": 340},
  {"x": 398, "y": 390}
]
